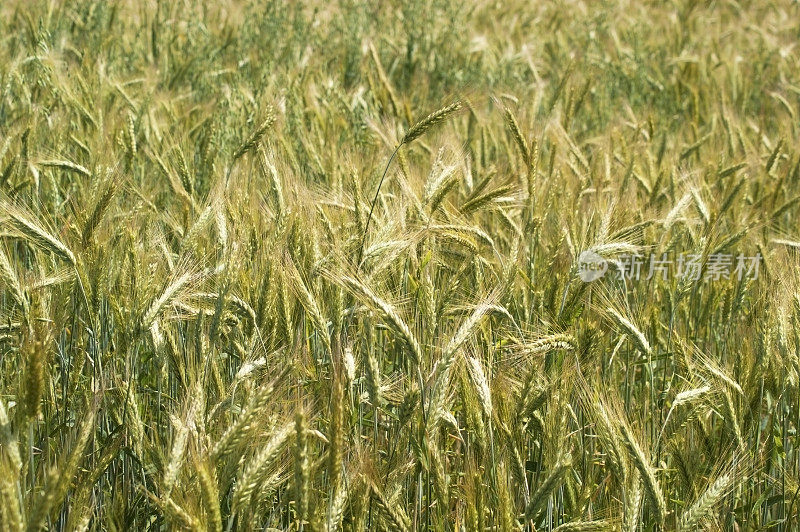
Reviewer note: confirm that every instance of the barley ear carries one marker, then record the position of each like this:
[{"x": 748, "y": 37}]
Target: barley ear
[
  {"x": 10, "y": 464},
  {"x": 209, "y": 492},
  {"x": 413, "y": 133},
  {"x": 301, "y": 468},
  {"x": 429, "y": 121},
  {"x": 540, "y": 497},
  {"x": 99, "y": 210},
  {"x": 702, "y": 507},
  {"x": 62, "y": 476},
  {"x": 69, "y": 166},
  {"x": 256, "y": 136},
  {"x": 631, "y": 330},
  {"x": 9, "y": 276},
  {"x": 522, "y": 144},
  {"x": 394, "y": 512},
  {"x": 32, "y": 231},
  {"x": 651, "y": 484}
]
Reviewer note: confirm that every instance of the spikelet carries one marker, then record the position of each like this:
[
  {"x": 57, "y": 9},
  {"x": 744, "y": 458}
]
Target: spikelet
[
  {"x": 711, "y": 366},
  {"x": 382, "y": 253},
  {"x": 133, "y": 419},
  {"x": 175, "y": 182},
  {"x": 356, "y": 193},
  {"x": 702, "y": 208},
  {"x": 686, "y": 397},
  {"x": 209, "y": 493},
  {"x": 471, "y": 231},
  {"x": 458, "y": 238},
  {"x": 248, "y": 367},
  {"x": 174, "y": 513},
  {"x": 676, "y": 211},
  {"x": 186, "y": 180},
  {"x": 505, "y": 499},
  {"x": 609, "y": 249},
  {"x": 131, "y": 132},
  {"x": 413, "y": 133},
  {"x": 200, "y": 224},
  {"x": 727, "y": 203},
  {"x": 176, "y": 455},
  {"x": 440, "y": 484},
  {"x": 609, "y": 435},
  {"x": 773, "y": 157},
  {"x": 221, "y": 222},
  {"x": 242, "y": 307},
  {"x": 732, "y": 418},
  {"x": 349, "y": 363},
  {"x": 10, "y": 448},
  {"x": 437, "y": 408},
  {"x": 689, "y": 396}
]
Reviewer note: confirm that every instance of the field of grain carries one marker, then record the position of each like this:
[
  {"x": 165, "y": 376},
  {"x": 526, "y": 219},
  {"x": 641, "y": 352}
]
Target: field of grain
[{"x": 399, "y": 266}]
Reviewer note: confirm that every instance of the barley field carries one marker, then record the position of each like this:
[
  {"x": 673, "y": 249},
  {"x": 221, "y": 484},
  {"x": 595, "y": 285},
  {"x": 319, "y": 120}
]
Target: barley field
[{"x": 424, "y": 265}]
